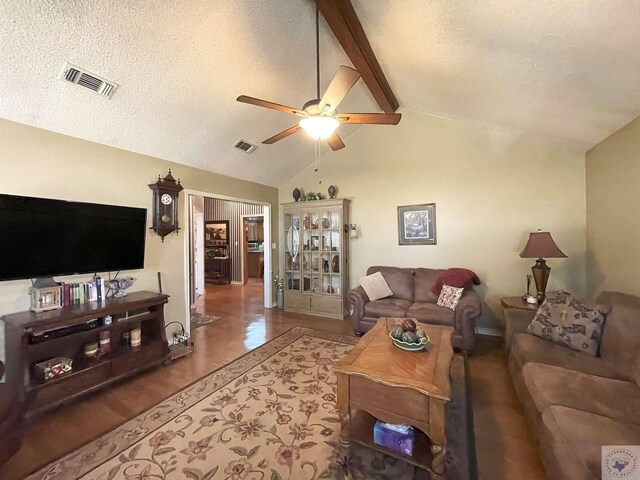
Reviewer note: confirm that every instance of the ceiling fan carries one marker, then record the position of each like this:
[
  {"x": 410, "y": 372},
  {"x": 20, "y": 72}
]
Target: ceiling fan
[{"x": 319, "y": 116}]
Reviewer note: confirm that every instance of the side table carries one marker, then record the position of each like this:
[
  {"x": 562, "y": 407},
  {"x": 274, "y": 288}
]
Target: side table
[
  {"x": 517, "y": 302},
  {"x": 518, "y": 308}
]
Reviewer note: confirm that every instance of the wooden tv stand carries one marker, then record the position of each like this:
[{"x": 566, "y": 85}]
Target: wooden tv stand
[{"x": 142, "y": 310}]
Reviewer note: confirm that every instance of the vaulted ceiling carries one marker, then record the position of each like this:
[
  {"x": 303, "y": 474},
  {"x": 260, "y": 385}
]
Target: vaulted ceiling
[{"x": 565, "y": 71}]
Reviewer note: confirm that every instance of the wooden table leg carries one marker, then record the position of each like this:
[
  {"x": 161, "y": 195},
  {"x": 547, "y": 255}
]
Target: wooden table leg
[
  {"x": 437, "y": 464},
  {"x": 344, "y": 411}
]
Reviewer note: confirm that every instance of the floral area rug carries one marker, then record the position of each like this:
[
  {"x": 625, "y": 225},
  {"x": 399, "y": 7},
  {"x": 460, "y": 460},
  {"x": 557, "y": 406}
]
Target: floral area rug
[
  {"x": 270, "y": 415},
  {"x": 199, "y": 319}
]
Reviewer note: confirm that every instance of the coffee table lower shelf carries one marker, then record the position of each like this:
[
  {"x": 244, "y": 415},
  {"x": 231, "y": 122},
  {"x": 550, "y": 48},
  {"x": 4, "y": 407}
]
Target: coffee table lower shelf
[{"x": 361, "y": 432}]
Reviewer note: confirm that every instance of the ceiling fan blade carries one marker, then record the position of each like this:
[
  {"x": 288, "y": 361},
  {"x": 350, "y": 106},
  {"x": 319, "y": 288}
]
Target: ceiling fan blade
[
  {"x": 335, "y": 142},
  {"x": 370, "y": 118},
  {"x": 281, "y": 135},
  {"x": 273, "y": 106},
  {"x": 345, "y": 78}
]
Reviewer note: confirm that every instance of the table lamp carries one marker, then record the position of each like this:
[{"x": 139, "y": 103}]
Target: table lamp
[{"x": 541, "y": 245}]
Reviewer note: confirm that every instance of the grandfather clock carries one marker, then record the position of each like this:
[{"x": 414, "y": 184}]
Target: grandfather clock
[{"x": 165, "y": 205}]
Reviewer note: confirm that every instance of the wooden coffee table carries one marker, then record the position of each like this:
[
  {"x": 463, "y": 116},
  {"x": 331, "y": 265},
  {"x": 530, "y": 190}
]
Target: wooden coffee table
[{"x": 377, "y": 380}]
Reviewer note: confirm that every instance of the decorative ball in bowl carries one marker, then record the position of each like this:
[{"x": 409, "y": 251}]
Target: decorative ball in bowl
[
  {"x": 408, "y": 336},
  {"x": 119, "y": 285}
]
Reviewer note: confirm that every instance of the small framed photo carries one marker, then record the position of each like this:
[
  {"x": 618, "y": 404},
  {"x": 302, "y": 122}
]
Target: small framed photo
[
  {"x": 216, "y": 233},
  {"x": 417, "y": 224}
]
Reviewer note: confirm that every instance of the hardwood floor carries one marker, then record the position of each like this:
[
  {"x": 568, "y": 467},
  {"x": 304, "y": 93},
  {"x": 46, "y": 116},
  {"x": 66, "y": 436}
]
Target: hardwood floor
[{"x": 505, "y": 448}]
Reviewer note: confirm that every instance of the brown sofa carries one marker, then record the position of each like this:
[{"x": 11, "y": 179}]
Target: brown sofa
[
  {"x": 576, "y": 403},
  {"x": 413, "y": 298}
]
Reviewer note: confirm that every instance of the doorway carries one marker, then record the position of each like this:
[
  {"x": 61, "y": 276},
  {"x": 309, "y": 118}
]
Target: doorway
[
  {"x": 234, "y": 211},
  {"x": 252, "y": 248}
]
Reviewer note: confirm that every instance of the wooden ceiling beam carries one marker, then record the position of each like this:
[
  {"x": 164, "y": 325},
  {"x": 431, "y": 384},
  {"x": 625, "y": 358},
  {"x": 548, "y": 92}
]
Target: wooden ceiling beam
[{"x": 343, "y": 21}]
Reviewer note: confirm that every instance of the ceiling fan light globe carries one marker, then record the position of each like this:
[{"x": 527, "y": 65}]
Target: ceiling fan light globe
[{"x": 318, "y": 127}]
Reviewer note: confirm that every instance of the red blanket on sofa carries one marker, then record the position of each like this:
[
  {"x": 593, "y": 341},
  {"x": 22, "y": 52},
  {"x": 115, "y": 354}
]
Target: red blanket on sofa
[{"x": 455, "y": 277}]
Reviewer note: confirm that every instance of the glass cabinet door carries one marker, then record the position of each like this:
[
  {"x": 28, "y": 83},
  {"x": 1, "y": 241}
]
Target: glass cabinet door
[
  {"x": 292, "y": 254},
  {"x": 310, "y": 249},
  {"x": 331, "y": 251}
]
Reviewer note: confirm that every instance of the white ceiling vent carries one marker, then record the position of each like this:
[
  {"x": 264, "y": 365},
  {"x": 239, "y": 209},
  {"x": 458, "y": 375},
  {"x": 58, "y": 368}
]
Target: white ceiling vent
[
  {"x": 246, "y": 147},
  {"x": 86, "y": 79}
]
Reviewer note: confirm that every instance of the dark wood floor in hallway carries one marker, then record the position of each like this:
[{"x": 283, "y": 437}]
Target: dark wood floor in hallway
[{"x": 505, "y": 448}]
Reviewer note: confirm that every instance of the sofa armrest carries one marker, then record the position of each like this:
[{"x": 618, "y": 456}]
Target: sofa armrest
[
  {"x": 357, "y": 298},
  {"x": 469, "y": 308},
  {"x": 516, "y": 320}
]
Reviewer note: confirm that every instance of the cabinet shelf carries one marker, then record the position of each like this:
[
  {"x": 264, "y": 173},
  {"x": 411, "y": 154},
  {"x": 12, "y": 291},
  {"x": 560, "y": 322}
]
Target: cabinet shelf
[
  {"x": 81, "y": 364},
  {"x": 361, "y": 432}
]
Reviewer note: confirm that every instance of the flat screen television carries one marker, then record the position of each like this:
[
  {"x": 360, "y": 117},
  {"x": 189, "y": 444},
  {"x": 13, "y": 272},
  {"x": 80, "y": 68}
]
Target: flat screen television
[{"x": 41, "y": 237}]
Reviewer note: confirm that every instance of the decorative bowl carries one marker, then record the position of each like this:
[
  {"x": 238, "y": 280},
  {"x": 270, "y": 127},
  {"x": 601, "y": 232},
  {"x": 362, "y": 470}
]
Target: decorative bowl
[
  {"x": 410, "y": 347},
  {"x": 119, "y": 285}
]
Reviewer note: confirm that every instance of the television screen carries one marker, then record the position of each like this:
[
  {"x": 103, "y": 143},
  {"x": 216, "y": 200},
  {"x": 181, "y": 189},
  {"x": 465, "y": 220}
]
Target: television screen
[{"x": 41, "y": 237}]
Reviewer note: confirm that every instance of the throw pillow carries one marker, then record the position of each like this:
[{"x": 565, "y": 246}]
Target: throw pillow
[
  {"x": 450, "y": 296},
  {"x": 568, "y": 321},
  {"x": 375, "y": 286}
]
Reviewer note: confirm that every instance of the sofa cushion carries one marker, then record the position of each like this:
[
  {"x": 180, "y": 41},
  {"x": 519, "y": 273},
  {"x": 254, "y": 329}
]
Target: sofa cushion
[
  {"x": 526, "y": 348},
  {"x": 449, "y": 297},
  {"x": 390, "y": 270},
  {"x": 574, "y": 439},
  {"x": 428, "y": 312},
  {"x": 621, "y": 338},
  {"x": 400, "y": 284},
  {"x": 568, "y": 321},
  {"x": 423, "y": 281},
  {"x": 387, "y": 307},
  {"x": 550, "y": 385},
  {"x": 375, "y": 286}
]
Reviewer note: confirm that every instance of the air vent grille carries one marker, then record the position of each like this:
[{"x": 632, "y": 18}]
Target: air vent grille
[
  {"x": 86, "y": 79},
  {"x": 245, "y": 146}
]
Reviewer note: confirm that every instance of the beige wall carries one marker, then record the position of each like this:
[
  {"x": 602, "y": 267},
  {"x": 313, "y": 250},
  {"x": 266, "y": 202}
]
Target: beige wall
[
  {"x": 40, "y": 163},
  {"x": 491, "y": 189},
  {"x": 613, "y": 212}
]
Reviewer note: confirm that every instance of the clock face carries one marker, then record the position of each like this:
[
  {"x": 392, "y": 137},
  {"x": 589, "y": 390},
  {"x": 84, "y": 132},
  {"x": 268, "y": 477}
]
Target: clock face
[{"x": 166, "y": 199}]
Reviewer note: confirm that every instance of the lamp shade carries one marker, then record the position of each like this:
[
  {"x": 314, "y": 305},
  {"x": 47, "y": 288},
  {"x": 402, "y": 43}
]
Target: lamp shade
[
  {"x": 319, "y": 127},
  {"x": 541, "y": 245}
]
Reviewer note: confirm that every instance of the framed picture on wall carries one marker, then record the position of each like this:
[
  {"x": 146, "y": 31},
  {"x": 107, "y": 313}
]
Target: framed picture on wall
[
  {"x": 216, "y": 233},
  {"x": 417, "y": 224}
]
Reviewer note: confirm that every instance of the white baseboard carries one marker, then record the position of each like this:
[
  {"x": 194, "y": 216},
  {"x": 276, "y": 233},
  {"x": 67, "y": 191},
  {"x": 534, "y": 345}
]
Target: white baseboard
[{"x": 492, "y": 332}]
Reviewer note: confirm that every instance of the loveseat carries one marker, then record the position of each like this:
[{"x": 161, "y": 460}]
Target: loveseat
[
  {"x": 574, "y": 402},
  {"x": 413, "y": 298}
]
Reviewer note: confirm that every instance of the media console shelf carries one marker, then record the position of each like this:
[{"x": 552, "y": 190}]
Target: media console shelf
[{"x": 35, "y": 337}]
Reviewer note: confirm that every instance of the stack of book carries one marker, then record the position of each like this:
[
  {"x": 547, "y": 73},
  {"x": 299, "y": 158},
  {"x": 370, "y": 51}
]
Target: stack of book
[{"x": 82, "y": 292}]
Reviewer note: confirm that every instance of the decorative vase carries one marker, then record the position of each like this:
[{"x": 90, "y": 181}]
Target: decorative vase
[
  {"x": 332, "y": 191},
  {"x": 325, "y": 266},
  {"x": 296, "y": 194}
]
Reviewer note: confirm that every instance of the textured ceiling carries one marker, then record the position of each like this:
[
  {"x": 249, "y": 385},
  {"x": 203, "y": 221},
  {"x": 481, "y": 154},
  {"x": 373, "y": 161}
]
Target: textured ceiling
[{"x": 568, "y": 71}]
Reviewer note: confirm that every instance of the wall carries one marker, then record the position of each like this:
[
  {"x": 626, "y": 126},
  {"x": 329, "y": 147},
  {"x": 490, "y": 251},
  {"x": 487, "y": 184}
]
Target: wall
[
  {"x": 613, "y": 208},
  {"x": 491, "y": 188},
  {"x": 217, "y": 209},
  {"x": 40, "y": 163}
]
